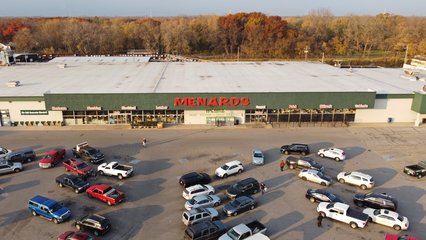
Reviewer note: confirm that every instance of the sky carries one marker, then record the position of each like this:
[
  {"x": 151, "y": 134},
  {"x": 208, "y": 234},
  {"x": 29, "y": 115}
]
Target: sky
[{"x": 155, "y": 8}]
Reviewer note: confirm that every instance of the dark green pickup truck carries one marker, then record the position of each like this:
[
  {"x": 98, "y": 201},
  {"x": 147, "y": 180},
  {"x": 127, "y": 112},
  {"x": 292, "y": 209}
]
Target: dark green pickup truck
[{"x": 416, "y": 170}]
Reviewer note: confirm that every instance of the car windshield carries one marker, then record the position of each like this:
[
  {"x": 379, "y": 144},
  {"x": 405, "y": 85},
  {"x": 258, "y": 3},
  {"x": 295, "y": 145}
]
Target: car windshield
[
  {"x": 55, "y": 207},
  {"x": 225, "y": 167},
  {"x": 376, "y": 212},
  {"x": 191, "y": 201},
  {"x": 258, "y": 155},
  {"x": 49, "y": 157},
  {"x": 78, "y": 181},
  {"x": 93, "y": 151},
  {"x": 82, "y": 165},
  {"x": 320, "y": 174},
  {"x": 400, "y": 218},
  {"x": 331, "y": 196},
  {"x": 232, "y": 234},
  {"x": 236, "y": 186}
]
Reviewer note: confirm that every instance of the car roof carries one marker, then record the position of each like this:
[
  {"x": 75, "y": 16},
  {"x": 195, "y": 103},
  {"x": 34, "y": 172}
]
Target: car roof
[
  {"x": 195, "y": 187},
  {"x": 310, "y": 170},
  {"x": 190, "y": 175},
  {"x": 200, "y": 197},
  {"x": 95, "y": 217},
  {"x": 389, "y": 213},
  {"x": 301, "y": 144},
  {"x": 201, "y": 226},
  {"x": 196, "y": 210},
  {"x": 360, "y": 174},
  {"x": 379, "y": 195},
  {"x": 231, "y": 163},
  {"x": 247, "y": 180},
  {"x": 43, "y": 200},
  {"x": 335, "y": 149}
]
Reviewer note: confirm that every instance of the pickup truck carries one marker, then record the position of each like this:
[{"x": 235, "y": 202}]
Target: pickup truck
[
  {"x": 304, "y": 163},
  {"x": 416, "y": 170},
  {"x": 115, "y": 169},
  {"x": 77, "y": 184},
  {"x": 105, "y": 193},
  {"x": 52, "y": 158},
  {"x": 343, "y": 213},
  {"x": 245, "y": 231},
  {"x": 79, "y": 168},
  {"x": 87, "y": 153},
  {"x": 8, "y": 167}
]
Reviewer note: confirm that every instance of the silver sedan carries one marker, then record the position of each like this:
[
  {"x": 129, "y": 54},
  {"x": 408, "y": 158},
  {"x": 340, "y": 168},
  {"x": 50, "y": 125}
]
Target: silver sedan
[{"x": 203, "y": 201}]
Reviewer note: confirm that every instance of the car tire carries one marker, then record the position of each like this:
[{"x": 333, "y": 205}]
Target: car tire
[
  {"x": 96, "y": 233},
  {"x": 337, "y": 159},
  {"x": 370, "y": 219},
  {"x": 286, "y": 152},
  {"x": 322, "y": 214},
  {"x": 303, "y": 153},
  {"x": 419, "y": 176},
  {"x": 323, "y": 184},
  {"x": 181, "y": 183},
  {"x": 291, "y": 166},
  {"x": 60, "y": 185},
  {"x": 312, "y": 199},
  {"x": 397, "y": 227},
  {"x": 216, "y": 204},
  {"x": 17, "y": 170},
  {"x": 76, "y": 191},
  {"x": 304, "y": 178},
  {"x": 240, "y": 171},
  {"x": 255, "y": 191},
  {"x": 321, "y": 155},
  {"x": 235, "y": 214},
  {"x": 78, "y": 226},
  {"x": 90, "y": 196},
  {"x": 210, "y": 193},
  {"x": 252, "y": 207},
  {"x": 67, "y": 170},
  {"x": 109, "y": 203},
  {"x": 29, "y": 159},
  {"x": 341, "y": 180},
  {"x": 359, "y": 204},
  {"x": 353, "y": 225},
  {"x": 101, "y": 173},
  {"x": 34, "y": 213},
  {"x": 120, "y": 176},
  {"x": 363, "y": 187},
  {"x": 55, "y": 221},
  {"x": 225, "y": 175}
]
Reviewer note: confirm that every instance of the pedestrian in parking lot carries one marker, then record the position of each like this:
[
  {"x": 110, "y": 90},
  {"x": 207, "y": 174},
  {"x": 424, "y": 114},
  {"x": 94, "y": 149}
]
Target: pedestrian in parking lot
[
  {"x": 282, "y": 165},
  {"x": 144, "y": 142},
  {"x": 319, "y": 220},
  {"x": 263, "y": 188}
]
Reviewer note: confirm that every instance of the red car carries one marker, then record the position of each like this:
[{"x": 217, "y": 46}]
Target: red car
[
  {"x": 70, "y": 235},
  {"x": 396, "y": 237},
  {"x": 52, "y": 158},
  {"x": 105, "y": 193}
]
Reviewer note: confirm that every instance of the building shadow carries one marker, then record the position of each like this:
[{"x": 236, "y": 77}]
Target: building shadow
[{"x": 278, "y": 226}]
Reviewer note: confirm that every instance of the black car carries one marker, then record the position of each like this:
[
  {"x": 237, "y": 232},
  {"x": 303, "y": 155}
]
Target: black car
[
  {"x": 295, "y": 148},
  {"x": 22, "y": 156},
  {"x": 194, "y": 178},
  {"x": 244, "y": 187},
  {"x": 94, "y": 223},
  {"x": 376, "y": 200},
  {"x": 77, "y": 184},
  {"x": 206, "y": 230},
  {"x": 321, "y": 195},
  {"x": 239, "y": 205},
  {"x": 304, "y": 163}
]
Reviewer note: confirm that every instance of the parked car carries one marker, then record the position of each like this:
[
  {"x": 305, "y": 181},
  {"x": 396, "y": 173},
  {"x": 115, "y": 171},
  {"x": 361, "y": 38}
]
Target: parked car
[
  {"x": 97, "y": 224},
  {"x": 244, "y": 187},
  {"x": 193, "y": 178},
  {"x": 239, "y": 205},
  {"x": 79, "y": 168},
  {"x": 88, "y": 153},
  {"x": 52, "y": 158},
  {"x": 343, "y": 213},
  {"x": 416, "y": 170},
  {"x": 257, "y": 157},
  {"x": 376, "y": 200},
  {"x": 203, "y": 201},
  {"x": 387, "y": 218},
  {"x": 105, "y": 193},
  {"x": 295, "y": 148},
  {"x": 70, "y": 235},
  {"x": 230, "y": 168},
  {"x": 205, "y": 230},
  {"x": 114, "y": 169},
  {"x": 9, "y": 167},
  {"x": 321, "y": 195},
  {"x": 362, "y": 180},
  {"x": 403, "y": 237},
  {"x": 49, "y": 209},
  {"x": 4, "y": 152},
  {"x": 199, "y": 189},
  {"x": 333, "y": 153},
  {"x": 304, "y": 163},
  {"x": 22, "y": 156},
  {"x": 252, "y": 230},
  {"x": 77, "y": 184},
  {"x": 315, "y": 176},
  {"x": 197, "y": 215}
]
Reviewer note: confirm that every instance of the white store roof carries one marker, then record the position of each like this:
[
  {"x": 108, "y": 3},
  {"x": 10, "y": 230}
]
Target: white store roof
[{"x": 137, "y": 75}]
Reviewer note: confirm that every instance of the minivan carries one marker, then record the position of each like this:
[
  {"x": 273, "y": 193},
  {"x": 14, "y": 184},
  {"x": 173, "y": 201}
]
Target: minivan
[
  {"x": 48, "y": 208},
  {"x": 23, "y": 155}
]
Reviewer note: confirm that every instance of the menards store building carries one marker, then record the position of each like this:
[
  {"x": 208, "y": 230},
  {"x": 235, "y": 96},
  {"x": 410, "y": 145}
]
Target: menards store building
[{"x": 126, "y": 90}]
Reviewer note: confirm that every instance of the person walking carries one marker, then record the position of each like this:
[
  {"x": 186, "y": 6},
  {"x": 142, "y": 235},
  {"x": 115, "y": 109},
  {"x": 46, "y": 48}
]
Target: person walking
[
  {"x": 263, "y": 188},
  {"x": 282, "y": 165},
  {"x": 319, "y": 220},
  {"x": 144, "y": 142}
]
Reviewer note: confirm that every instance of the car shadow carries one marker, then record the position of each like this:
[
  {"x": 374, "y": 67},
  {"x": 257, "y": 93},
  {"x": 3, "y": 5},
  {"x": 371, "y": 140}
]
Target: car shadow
[
  {"x": 314, "y": 147},
  {"x": 352, "y": 152},
  {"x": 246, "y": 217},
  {"x": 277, "y": 226},
  {"x": 14, "y": 217},
  {"x": 380, "y": 175},
  {"x": 150, "y": 187},
  {"x": 148, "y": 167},
  {"x": 20, "y": 186}
]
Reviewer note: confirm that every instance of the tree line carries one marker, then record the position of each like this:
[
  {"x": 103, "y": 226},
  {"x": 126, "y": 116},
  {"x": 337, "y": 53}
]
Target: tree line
[{"x": 248, "y": 35}]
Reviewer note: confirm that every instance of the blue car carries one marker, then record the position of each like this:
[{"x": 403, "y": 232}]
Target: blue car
[{"x": 48, "y": 208}]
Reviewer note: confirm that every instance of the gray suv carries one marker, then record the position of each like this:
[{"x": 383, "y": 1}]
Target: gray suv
[
  {"x": 8, "y": 167},
  {"x": 23, "y": 155}
]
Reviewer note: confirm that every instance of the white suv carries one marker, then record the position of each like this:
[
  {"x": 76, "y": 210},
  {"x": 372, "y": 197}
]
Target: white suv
[
  {"x": 199, "y": 189},
  {"x": 359, "y": 179},
  {"x": 334, "y": 153},
  {"x": 229, "y": 168},
  {"x": 197, "y": 215}
]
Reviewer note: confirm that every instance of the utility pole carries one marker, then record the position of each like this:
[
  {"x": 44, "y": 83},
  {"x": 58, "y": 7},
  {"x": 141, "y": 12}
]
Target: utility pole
[
  {"x": 306, "y": 53},
  {"x": 322, "y": 60},
  {"x": 406, "y": 54},
  {"x": 238, "y": 54}
]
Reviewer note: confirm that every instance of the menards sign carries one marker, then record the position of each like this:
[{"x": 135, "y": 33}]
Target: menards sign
[{"x": 211, "y": 102}]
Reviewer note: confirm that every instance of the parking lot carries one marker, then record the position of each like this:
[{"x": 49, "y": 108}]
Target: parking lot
[{"x": 154, "y": 202}]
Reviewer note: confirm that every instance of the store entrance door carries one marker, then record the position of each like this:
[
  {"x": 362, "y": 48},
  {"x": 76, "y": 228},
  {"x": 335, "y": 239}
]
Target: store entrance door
[{"x": 4, "y": 118}]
